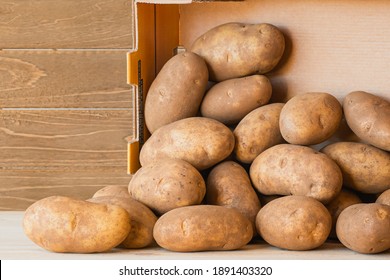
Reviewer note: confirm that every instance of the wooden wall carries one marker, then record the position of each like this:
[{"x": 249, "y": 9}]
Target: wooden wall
[{"x": 65, "y": 106}]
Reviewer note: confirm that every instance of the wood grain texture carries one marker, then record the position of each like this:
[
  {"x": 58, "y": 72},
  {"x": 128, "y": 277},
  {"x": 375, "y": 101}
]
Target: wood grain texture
[
  {"x": 66, "y": 24},
  {"x": 64, "y": 79},
  {"x": 61, "y": 152}
]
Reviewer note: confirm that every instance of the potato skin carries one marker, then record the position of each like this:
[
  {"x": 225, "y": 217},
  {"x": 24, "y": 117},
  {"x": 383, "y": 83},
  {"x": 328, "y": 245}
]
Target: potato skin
[
  {"x": 202, "y": 142},
  {"x": 291, "y": 169},
  {"x": 63, "y": 224},
  {"x": 257, "y": 131},
  {"x": 384, "y": 198},
  {"x": 231, "y": 100},
  {"x": 365, "y": 168},
  {"x": 368, "y": 116},
  {"x": 294, "y": 223},
  {"x": 117, "y": 191},
  {"x": 310, "y": 118},
  {"x": 202, "y": 228},
  {"x": 365, "y": 228},
  {"x": 167, "y": 184},
  {"x": 228, "y": 185},
  {"x": 234, "y": 50},
  {"x": 142, "y": 220},
  {"x": 177, "y": 91}
]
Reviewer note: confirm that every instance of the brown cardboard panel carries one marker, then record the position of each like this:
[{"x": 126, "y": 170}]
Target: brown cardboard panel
[
  {"x": 66, "y": 24},
  {"x": 332, "y": 46},
  {"x": 64, "y": 79}
]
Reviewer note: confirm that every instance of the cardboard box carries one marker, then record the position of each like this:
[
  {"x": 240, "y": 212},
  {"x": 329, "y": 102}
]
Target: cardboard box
[{"x": 331, "y": 46}]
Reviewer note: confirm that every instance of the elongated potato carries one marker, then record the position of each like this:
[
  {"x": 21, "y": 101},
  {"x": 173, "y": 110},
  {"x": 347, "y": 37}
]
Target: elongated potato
[
  {"x": 63, "y": 224},
  {"x": 177, "y": 91},
  {"x": 310, "y": 118},
  {"x": 228, "y": 185},
  {"x": 291, "y": 169},
  {"x": 365, "y": 228},
  {"x": 167, "y": 184},
  {"x": 231, "y": 100},
  {"x": 384, "y": 198},
  {"x": 117, "y": 191},
  {"x": 142, "y": 220},
  {"x": 202, "y": 228},
  {"x": 234, "y": 50},
  {"x": 257, "y": 131},
  {"x": 364, "y": 167},
  {"x": 369, "y": 118},
  {"x": 202, "y": 142},
  {"x": 294, "y": 223}
]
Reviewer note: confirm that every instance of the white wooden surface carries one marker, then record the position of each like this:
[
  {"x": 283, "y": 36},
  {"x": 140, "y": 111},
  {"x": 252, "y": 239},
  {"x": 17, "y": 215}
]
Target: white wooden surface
[{"x": 15, "y": 245}]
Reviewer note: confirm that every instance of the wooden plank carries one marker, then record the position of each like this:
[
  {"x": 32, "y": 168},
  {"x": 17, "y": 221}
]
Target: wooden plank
[
  {"x": 71, "y": 79},
  {"x": 66, "y": 24},
  {"x": 62, "y": 152}
]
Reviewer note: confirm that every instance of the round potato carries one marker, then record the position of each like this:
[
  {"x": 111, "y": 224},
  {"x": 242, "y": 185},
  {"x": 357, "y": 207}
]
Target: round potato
[
  {"x": 202, "y": 228},
  {"x": 231, "y": 100},
  {"x": 257, "y": 131},
  {"x": 344, "y": 199},
  {"x": 177, "y": 91},
  {"x": 310, "y": 118},
  {"x": 384, "y": 198},
  {"x": 369, "y": 118},
  {"x": 141, "y": 221},
  {"x": 228, "y": 185},
  {"x": 117, "y": 191},
  {"x": 294, "y": 223},
  {"x": 235, "y": 50},
  {"x": 291, "y": 169},
  {"x": 365, "y": 228},
  {"x": 167, "y": 184},
  {"x": 66, "y": 225},
  {"x": 203, "y": 142},
  {"x": 364, "y": 167}
]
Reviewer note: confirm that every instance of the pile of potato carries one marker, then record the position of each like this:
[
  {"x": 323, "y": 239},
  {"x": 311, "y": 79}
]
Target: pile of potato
[{"x": 223, "y": 166}]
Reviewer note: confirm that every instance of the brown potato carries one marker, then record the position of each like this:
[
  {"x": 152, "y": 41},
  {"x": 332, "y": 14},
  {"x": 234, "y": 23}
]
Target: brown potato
[
  {"x": 231, "y": 100},
  {"x": 167, "y": 184},
  {"x": 344, "y": 199},
  {"x": 202, "y": 228},
  {"x": 117, "y": 191},
  {"x": 364, "y": 167},
  {"x": 257, "y": 131},
  {"x": 202, "y": 142},
  {"x": 177, "y": 91},
  {"x": 234, "y": 50},
  {"x": 291, "y": 169},
  {"x": 384, "y": 198},
  {"x": 369, "y": 118},
  {"x": 294, "y": 223},
  {"x": 228, "y": 185},
  {"x": 141, "y": 221},
  {"x": 310, "y": 118},
  {"x": 365, "y": 228},
  {"x": 63, "y": 224}
]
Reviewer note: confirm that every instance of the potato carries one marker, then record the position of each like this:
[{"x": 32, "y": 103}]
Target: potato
[
  {"x": 235, "y": 50},
  {"x": 344, "y": 199},
  {"x": 365, "y": 228},
  {"x": 291, "y": 169},
  {"x": 231, "y": 100},
  {"x": 141, "y": 220},
  {"x": 202, "y": 228},
  {"x": 63, "y": 224},
  {"x": 177, "y": 91},
  {"x": 202, "y": 142},
  {"x": 228, "y": 185},
  {"x": 167, "y": 184},
  {"x": 117, "y": 191},
  {"x": 310, "y": 118},
  {"x": 257, "y": 131},
  {"x": 364, "y": 167},
  {"x": 368, "y": 116},
  {"x": 294, "y": 223},
  {"x": 384, "y": 198}
]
